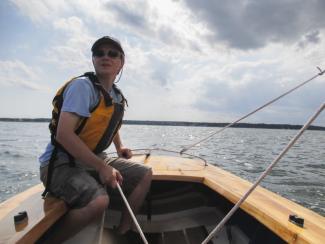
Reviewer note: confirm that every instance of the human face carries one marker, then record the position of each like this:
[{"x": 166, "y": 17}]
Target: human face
[{"x": 107, "y": 60}]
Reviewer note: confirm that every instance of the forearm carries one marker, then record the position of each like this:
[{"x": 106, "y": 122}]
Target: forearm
[
  {"x": 78, "y": 149},
  {"x": 120, "y": 149},
  {"x": 117, "y": 142}
]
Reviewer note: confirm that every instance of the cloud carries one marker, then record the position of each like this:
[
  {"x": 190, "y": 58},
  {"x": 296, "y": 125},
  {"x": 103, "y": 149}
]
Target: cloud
[
  {"x": 185, "y": 60},
  {"x": 68, "y": 58},
  {"x": 310, "y": 38},
  {"x": 131, "y": 15},
  {"x": 16, "y": 73},
  {"x": 239, "y": 88},
  {"x": 71, "y": 24},
  {"x": 40, "y": 11},
  {"x": 74, "y": 52},
  {"x": 256, "y": 23},
  {"x": 154, "y": 24}
]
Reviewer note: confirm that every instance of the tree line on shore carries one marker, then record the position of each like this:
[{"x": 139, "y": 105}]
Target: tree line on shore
[{"x": 184, "y": 123}]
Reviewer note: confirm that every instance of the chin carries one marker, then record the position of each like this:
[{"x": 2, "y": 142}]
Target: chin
[{"x": 105, "y": 73}]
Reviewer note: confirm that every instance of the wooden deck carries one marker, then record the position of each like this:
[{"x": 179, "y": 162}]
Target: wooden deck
[
  {"x": 41, "y": 215},
  {"x": 267, "y": 207}
]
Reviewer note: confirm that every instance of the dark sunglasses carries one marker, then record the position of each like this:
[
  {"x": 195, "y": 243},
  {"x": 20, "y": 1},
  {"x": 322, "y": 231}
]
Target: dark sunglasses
[{"x": 110, "y": 54}]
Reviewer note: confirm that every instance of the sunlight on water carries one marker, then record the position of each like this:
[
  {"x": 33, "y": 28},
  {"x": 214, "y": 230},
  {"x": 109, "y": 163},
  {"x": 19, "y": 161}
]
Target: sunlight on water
[{"x": 299, "y": 176}]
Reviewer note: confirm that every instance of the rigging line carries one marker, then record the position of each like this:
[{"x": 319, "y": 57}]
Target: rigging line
[
  {"x": 102, "y": 223},
  {"x": 163, "y": 150},
  {"x": 132, "y": 214},
  {"x": 262, "y": 176},
  {"x": 321, "y": 72}
]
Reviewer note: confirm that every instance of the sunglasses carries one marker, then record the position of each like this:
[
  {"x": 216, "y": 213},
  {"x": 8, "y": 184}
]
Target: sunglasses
[{"x": 110, "y": 54}]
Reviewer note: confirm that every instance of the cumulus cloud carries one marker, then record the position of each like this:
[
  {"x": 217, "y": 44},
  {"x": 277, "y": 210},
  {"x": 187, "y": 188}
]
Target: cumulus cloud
[
  {"x": 253, "y": 24},
  {"x": 190, "y": 60},
  {"x": 239, "y": 88},
  {"x": 68, "y": 58},
  {"x": 310, "y": 38},
  {"x": 131, "y": 14},
  {"x": 154, "y": 24},
  {"x": 40, "y": 11},
  {"x": 71, "y": 24},
  {"x": 74, "y": 52},
  {"x": 16, "y": 73}
]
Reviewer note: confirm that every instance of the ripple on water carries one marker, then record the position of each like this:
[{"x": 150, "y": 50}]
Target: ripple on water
[
  {"x": 315, "y": 166},
  {"x": 244, "y": 152},
  {"x": 11, "y": 154}
]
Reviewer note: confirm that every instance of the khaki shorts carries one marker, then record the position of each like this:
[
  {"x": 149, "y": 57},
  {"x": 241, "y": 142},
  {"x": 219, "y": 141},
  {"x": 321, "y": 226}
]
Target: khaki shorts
[{"x": 78, "y": 186}]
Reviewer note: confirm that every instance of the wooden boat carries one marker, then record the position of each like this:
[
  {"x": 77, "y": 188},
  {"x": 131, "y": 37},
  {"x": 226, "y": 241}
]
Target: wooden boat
[{"x": 186, "y": 201}]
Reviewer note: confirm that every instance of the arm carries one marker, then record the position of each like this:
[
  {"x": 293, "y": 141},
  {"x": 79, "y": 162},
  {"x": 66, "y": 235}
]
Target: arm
[
  {"x": 75, "y": 146},
  {"x": 122, "y": 151}
]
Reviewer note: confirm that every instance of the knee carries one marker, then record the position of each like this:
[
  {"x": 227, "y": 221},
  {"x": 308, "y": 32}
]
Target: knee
[
  {"x": 102, "y": 202},
  {"x": 148, "y": 176},
  {"x": 99, "y": 205}
]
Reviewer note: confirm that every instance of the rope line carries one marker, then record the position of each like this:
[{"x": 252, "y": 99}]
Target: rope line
[
  {"x": 321, "y": 72},
  {"x": 216, "y": 230},
  {"x": 132, "y": 214},
  {"x": 163, "y": 150}
]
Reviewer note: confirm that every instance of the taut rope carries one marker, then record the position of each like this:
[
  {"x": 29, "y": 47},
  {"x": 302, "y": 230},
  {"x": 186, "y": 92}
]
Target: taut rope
[
  {"x": 265, "y": 173},
  {"x": 132, "y": 214},
  {"x": 321, "y": 72}
]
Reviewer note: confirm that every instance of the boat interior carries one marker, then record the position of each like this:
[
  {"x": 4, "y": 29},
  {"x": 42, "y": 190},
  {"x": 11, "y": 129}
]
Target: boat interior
[{"x": 179, "y": 212}]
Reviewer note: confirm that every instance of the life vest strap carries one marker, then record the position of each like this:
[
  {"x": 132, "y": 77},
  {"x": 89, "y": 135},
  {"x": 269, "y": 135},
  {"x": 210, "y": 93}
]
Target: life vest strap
[
  {"x": 51, "y": 164},
  {"x": 50, "y": 171}
]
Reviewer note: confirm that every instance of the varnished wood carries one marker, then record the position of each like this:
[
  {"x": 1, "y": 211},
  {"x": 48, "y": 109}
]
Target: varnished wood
[
  {"x": 41, "y": 215},
  {"x": 267, "y": 207}
]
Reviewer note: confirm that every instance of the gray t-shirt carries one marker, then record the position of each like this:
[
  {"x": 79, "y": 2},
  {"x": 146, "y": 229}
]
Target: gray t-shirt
[{"x": 80, "y": 98}]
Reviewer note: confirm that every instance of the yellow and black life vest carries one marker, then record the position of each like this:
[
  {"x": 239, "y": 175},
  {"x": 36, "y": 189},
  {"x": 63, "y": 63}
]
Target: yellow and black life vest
[{"x": 96, "y": 131}]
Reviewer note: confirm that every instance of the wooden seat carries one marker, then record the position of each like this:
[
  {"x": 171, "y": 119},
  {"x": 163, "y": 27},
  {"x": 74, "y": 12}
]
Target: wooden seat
[{"x": 37, "y": 223}]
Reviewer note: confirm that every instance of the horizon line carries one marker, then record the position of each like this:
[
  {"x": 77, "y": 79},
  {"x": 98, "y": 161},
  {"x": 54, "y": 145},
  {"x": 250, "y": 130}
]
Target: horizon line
[{"x": 186, "y": 123}]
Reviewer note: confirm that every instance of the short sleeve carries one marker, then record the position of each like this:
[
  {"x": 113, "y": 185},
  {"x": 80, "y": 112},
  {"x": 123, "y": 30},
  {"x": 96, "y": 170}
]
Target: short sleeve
[{"x": 78, "y": 97}]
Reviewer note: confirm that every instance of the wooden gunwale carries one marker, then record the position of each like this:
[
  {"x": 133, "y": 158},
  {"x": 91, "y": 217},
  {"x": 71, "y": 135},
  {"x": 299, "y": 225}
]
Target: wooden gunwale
[
  {"x": 41, "y": 216},
  {"x": 268, "y": 208}
]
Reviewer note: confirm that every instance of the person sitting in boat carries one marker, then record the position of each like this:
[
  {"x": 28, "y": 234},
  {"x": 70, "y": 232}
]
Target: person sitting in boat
[{"x": 86, "y": 118}]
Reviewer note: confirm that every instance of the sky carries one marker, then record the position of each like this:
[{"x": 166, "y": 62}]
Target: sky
[{"x": 186, "y": 60}]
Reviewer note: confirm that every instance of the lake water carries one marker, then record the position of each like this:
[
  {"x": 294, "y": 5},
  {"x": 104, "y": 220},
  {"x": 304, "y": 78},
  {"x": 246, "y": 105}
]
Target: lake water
[{"x": 299, "y": 176}]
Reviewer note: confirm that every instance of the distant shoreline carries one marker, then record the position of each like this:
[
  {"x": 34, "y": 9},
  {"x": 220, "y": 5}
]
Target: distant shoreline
[{"x": 183, "y": 123}]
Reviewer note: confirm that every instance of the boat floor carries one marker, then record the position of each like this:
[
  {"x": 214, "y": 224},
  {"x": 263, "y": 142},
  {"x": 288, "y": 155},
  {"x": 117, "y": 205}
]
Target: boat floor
[{"x": 190, "y": 226}]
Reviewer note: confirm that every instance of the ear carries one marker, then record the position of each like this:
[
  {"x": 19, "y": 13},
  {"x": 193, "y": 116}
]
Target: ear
[
  {"x": 122, "y": 63},
  {"x": 121, "y": 67}
]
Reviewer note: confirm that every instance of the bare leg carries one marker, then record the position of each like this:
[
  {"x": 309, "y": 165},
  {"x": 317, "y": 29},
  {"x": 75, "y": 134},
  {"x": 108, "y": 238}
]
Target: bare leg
[
  {"x": 135, "y": 200},
  {"x": 77, "y": 219}
]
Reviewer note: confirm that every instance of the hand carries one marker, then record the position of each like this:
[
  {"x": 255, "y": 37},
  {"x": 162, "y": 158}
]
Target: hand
[
  {"x": 110, "y": 176},
  {"x": 124, "y": 152}
]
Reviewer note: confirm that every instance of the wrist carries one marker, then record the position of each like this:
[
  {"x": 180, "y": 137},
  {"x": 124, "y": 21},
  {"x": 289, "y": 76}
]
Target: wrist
[
  {"x": 100, "y": 166},
  {"x": 118, "y": 147}
]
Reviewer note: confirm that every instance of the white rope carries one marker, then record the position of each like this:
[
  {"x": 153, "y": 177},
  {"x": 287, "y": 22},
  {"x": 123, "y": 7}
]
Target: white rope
[
  {"x": 101, "y": 230},
  {"x": 269, "y": 168},
  {"x": 321, "y": 72},
  {"x": 132, "y": 214}
]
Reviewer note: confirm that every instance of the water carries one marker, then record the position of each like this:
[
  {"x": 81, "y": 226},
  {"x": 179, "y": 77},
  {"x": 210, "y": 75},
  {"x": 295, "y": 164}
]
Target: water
[{"x": 299, "y": 176}]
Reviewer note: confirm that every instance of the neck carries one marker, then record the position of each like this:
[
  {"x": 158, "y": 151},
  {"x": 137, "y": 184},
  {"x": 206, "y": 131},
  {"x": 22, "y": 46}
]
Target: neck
[{"x": 106, "y": 81}]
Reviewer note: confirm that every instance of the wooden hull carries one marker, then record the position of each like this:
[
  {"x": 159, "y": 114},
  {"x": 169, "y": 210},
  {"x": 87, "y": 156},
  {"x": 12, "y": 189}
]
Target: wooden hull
[{"x": 186, "y": 201}]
